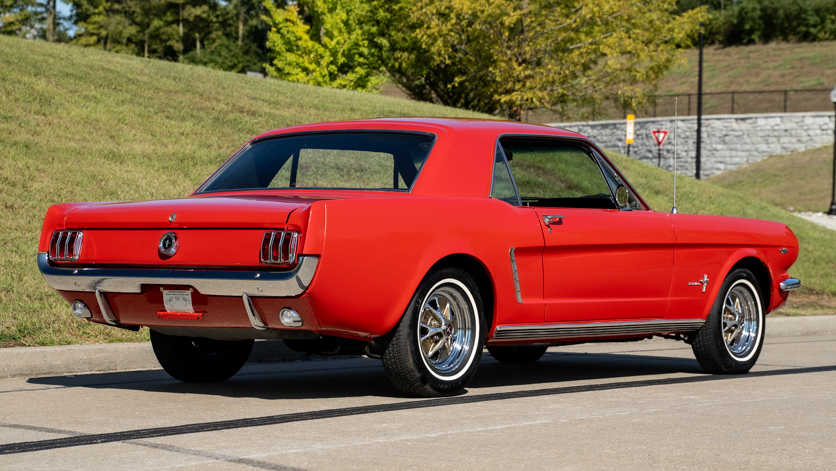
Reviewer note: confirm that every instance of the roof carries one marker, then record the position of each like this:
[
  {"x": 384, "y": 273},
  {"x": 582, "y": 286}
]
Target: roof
[{"x": 428, "y": 125}]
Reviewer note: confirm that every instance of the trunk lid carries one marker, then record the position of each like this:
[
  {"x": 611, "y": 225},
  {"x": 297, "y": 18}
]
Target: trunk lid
[
  {"x": 257, "y": 211},
  {"x": 219, "y": 231}
]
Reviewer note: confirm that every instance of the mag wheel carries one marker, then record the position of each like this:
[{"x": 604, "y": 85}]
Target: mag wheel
[
  {"x": 200, "y": 360},
  {"x": 730, "y": 341},
  {"x": 517, "y": 354},
  {"x": 436, "y": 347}
]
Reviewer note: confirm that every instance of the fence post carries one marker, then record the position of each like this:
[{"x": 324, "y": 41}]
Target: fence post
[
  {"x": 732, "y": 102},
  {"x": 785, "y": 100},
  {"x": 689, "y": 104}
]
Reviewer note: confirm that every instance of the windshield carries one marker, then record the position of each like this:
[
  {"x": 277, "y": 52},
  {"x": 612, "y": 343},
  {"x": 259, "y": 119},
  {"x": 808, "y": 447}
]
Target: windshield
[{"x": 353, "y": 160}]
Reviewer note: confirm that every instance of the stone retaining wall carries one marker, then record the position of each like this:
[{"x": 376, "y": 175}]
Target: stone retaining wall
[{"x": 728, "y": 141}]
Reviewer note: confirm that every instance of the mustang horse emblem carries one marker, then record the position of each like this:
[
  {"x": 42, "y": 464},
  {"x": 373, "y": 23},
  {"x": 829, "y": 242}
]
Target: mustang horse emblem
[{"x": 703, "y": 282}]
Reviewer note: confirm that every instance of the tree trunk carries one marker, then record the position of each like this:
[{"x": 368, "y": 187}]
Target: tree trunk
[
  {"x": 50, "y": 21},
  {"x": 146, "y": 44},
  {"x": 240, "y": 22},
  {"x": 197, "y": 37}
]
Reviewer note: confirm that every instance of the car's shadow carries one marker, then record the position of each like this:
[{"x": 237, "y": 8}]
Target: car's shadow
[{"x": 358, "y": 376}]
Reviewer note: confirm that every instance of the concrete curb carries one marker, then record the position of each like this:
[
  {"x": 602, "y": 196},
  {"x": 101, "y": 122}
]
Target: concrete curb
[{"x": 108, "y": 358}]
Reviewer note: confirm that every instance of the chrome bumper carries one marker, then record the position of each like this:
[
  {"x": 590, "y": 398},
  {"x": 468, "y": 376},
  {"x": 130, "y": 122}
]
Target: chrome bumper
[
  {"x": 790, "y": 284},
  {"x": 209, "y": 282}
]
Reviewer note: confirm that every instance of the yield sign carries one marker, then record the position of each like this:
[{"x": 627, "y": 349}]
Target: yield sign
[{"x": 659, "y": 135}]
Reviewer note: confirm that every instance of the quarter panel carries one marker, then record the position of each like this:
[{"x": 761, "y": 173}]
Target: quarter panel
[{"x": 377, "y": 253}]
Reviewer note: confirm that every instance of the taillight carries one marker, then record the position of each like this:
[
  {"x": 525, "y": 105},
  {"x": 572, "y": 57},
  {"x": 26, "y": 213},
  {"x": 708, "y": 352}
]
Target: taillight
[
  {"x": 65, "y": 246},
  {"x": 279, "y": 247}
]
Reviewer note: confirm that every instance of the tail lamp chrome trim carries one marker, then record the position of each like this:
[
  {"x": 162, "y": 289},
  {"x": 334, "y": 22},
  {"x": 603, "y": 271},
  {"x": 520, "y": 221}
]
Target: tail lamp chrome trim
[
  {"x": 273, "y": 244},
  {"x": 65, "y": 246},
  {"x": 596, "y": 329},
  {"x": 209, "y": 282}
]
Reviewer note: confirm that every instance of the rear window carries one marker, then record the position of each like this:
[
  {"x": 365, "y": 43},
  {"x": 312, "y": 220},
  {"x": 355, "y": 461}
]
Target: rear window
[{"x": 343, "y": 160}]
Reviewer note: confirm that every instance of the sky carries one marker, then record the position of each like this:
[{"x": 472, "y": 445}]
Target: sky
[{"x": 65, "y": 10}]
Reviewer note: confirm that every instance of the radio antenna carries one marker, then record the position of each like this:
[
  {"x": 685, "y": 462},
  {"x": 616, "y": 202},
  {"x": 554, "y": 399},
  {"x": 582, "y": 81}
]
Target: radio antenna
[{"x": 675, "y": 127}]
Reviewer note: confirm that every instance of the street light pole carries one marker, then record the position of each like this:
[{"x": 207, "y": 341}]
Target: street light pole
[
  {"x": 832, "y": 210},
  {"x": 698, "y": 160}
]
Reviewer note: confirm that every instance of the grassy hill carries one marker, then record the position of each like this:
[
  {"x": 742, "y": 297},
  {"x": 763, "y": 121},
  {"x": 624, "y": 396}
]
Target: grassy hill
[
  {"x": 774, "y": 66},
  {"x": 84, "y": 125},
  {"x": 796, "y": 182}
]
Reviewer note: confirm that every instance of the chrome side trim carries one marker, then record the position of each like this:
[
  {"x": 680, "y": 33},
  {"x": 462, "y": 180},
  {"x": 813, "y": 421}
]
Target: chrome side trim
[
  {"x": 107, "y": 313},
  {"x": 597, "y": 329},
  {"x": 252, "y": 313},
  {"x": 516, "y": 276},
  {"x": 790, "y": 284},
  {"x": 209, "y": 282}
]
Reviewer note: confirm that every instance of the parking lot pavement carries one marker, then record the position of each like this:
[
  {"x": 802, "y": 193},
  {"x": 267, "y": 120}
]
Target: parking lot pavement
[{"x": 626, "y": 405}]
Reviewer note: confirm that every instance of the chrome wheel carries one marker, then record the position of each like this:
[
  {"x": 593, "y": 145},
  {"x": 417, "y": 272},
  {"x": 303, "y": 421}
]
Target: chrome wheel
[
  {"x": 447, "y": 329},
  {"x": 741, "y": 320}
]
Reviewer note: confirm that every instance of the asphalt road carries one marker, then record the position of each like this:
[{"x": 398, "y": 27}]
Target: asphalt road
[{"x": 596, "y": 406}]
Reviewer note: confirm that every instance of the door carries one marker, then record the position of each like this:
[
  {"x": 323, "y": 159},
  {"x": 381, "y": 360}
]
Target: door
[{"x": 599, "y": 262}]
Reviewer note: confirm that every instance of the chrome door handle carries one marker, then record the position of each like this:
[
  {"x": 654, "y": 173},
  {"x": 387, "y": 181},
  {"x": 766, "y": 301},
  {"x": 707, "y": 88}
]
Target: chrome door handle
[{"x": 549, "y": 220}]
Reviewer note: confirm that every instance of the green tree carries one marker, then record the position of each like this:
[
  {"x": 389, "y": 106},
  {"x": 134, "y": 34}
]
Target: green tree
[
  {"x": 104, "y": 24},
  {"x": 505, "y": 56},
  {"x": 321, "y": 42},
  {"x": 20, "y": 18}
]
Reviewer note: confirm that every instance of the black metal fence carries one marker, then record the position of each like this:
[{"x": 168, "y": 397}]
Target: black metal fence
[
  {"x": 732, "y": 102},
  {"x": 743, "y": 102}
]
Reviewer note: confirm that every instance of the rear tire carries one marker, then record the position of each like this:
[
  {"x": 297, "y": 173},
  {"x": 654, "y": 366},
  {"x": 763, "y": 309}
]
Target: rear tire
[
  {"x": 731, "y": 339},
  {"x": 200, "y": 360},
  {"x": 517, "y": 354},
  {"x": 436, "y": 347}
]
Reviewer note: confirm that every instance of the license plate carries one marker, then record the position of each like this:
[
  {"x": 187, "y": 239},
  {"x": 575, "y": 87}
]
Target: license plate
[{"x": 178, "y": 300}]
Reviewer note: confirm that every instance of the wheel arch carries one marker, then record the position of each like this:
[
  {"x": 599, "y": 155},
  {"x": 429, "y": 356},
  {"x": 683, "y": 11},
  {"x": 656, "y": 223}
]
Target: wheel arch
[
  {"x": 761, "y": 272},
  {"x": 481, "y": 276}
]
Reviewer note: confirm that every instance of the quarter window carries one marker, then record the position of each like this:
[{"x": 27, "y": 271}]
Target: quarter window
[{"x": 503, "y": 186}]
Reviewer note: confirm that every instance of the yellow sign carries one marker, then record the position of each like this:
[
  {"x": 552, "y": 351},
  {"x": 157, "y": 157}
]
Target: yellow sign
[{"x": 631, "y": 128}]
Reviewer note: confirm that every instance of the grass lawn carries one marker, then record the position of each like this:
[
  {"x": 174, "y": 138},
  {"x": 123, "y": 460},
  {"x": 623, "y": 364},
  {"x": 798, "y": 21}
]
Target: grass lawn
[
  {"x": 774, "y": 66},
  {"x": 84, "y": 125},
  {"x": 795, "y": 182}
]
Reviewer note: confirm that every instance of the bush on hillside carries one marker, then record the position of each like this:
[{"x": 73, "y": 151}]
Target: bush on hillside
[{"x": 762, "y": 21}]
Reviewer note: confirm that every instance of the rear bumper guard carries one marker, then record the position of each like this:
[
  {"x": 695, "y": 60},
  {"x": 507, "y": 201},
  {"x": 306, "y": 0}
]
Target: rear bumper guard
[{"x": 208, "y": 282}]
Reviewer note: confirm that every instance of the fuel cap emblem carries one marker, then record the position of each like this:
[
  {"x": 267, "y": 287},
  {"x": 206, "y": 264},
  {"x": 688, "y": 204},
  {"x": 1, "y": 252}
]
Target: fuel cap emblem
[{"x": 169, "y": 244}]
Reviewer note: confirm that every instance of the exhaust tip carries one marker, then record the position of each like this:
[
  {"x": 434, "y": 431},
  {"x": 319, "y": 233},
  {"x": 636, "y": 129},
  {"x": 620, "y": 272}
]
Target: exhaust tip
[
  {"x": 290, "y": 318},
  {"x": 81, "y": 310}
]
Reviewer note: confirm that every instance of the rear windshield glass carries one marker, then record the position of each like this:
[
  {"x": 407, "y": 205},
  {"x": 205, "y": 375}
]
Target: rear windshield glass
[{"x": 356, "y": 160}]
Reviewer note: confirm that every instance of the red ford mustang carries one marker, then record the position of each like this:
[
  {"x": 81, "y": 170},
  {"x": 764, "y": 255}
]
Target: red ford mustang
[{"x": 418, "y": 241}]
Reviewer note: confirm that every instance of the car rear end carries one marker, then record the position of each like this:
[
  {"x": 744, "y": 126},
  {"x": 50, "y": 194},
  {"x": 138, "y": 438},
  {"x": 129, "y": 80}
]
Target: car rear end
[{"x": 220, "y": 267}]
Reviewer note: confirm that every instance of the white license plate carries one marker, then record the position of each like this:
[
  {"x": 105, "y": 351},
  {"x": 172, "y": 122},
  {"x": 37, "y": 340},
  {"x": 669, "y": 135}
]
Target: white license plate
[{"x": 178, "y": 300}]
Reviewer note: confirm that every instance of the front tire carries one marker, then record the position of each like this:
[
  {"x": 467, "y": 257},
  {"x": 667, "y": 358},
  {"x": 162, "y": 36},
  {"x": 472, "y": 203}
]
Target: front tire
[
  {"x": 731, "y": 339},
  {"x": 437, "y": 345},
  {"x": 200, "y": 360}
]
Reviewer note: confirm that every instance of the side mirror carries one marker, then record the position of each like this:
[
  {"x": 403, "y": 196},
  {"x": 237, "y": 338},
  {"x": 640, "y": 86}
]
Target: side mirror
[{"x": 622, "y": 197}]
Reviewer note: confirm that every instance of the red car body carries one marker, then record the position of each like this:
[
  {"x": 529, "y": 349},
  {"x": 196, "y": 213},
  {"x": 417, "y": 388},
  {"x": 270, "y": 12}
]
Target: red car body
[{"x": 593, "y": 274}]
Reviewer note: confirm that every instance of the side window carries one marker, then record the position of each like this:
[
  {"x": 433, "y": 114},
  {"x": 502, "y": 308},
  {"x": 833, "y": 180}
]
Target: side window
[
  {"x": 552, "y": 173},
  {"x": 503, "y": 186}
]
